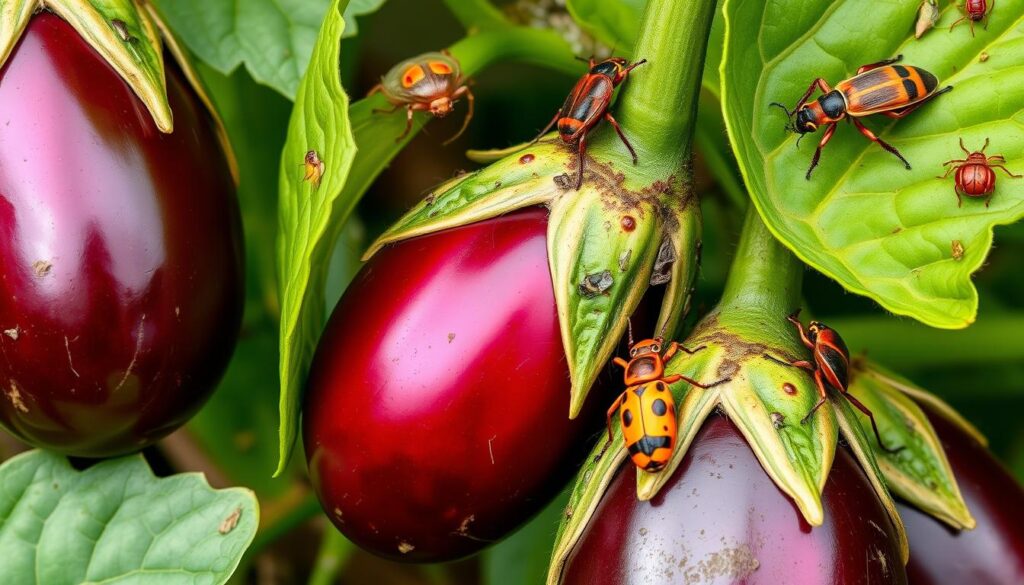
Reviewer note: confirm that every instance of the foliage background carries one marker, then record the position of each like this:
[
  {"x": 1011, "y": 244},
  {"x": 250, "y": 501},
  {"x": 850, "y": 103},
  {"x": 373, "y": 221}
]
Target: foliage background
[{"x": 980, "y": 370}]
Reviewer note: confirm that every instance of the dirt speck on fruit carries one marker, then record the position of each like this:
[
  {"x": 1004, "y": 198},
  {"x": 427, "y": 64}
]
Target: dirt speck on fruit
[
  {"x": 41, "y": 268},
  {"x": 464, "y": 527},
  {"x": 451, "y": 337},
  {"x": 229, "y": 523},
  {"x": 14, "y": 395},
  {"x": 734, "y": 563},
  {"x": 135, "y": 356},
  {"x": 405, "y": 547},
  {"x": 13, "y": 333}
]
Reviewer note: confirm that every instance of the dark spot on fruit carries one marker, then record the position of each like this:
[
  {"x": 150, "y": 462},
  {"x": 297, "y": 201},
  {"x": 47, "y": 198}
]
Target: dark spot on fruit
[
  {"x": 628, "y": 223},
  {"x": 526, "y": 159},
  {"x": 788, "y": 388},
  {"x": 627, "y": 417},
  {"x": 659, "y": 407}
]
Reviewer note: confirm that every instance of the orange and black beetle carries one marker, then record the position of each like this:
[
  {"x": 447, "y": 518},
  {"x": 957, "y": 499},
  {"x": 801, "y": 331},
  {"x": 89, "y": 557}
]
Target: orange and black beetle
[
  {"x": 974, "y": 174},
  {"x": 974, "y": 11},
  {"x": 878, "y": 88},
  {"x": 647, "y": 411},
  {"x": 831, "y": 364},
  {"x": 428, "y": 82},
  {"x": 588, "y": 103}
]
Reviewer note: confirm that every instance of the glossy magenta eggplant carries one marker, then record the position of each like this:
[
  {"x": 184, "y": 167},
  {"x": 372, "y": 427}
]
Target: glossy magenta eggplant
[
  {"x": 436, "y": 417},
  {"x": 120, "y": 247},
  {"x": 990, "y": 554},
  {"x": 720, "y": 520}
]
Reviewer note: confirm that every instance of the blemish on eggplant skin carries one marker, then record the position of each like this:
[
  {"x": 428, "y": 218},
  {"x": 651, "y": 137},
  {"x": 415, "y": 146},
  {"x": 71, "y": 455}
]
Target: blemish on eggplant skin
[
  {"x": 13, "y": 333},
  {"x": 41, "y": 268},
  {"x": 405, "y": 547},
  {"x": 526, "y": 159}
]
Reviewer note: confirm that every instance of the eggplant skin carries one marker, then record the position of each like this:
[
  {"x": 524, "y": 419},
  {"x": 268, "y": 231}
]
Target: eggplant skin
[
  {"x": 721, "y": 520},
  {"x": 121, "y": 260},
  {"x": 990, "y": 554},
  {"x": 435, "y": 420}
]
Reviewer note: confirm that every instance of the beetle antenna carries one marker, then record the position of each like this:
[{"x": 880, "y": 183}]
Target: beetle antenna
[
  {"x": 789, "y": 114},
  {"x": 629, "y": 330}
]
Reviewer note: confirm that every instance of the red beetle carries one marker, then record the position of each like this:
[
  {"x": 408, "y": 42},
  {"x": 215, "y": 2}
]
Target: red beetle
[
  {"x": 974, "y": 174},
  {"x": 974, "y": 11},
  {"x": 588, "y": 103},
  {"x": 831, "y": 364}
]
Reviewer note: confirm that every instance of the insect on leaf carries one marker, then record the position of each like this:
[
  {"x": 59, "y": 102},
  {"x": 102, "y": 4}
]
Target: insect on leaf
[
  {"x": 862, "y": 219},
  {"x": 310, "y": 214}
]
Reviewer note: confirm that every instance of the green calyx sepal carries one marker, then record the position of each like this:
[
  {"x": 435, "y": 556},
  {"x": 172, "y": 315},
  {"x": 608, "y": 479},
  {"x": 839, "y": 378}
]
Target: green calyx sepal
[{"x": 622, "y": 231}]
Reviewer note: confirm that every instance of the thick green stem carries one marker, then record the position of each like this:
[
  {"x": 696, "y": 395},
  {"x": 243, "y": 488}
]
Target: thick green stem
[
  {"x": 659, "y": 103},
  {"x": 477, "y": 15},
  {"x": 335, "y": 549},
  {"x": 544, "y": 48},
  {"x": 764, "y": 276}
]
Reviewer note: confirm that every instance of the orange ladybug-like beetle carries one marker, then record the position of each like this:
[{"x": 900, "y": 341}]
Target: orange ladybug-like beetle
[
  {"x": 647, "y": 411},
  {"x": 429, "y": 82}
]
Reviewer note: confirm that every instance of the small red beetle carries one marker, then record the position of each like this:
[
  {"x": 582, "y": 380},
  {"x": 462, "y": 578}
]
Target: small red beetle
[
  {"x": 428, "y": 82},
  {"x": 588, "y": 103},
  {"x": 974, "y": 174},
  {"x": 647, "y": 411},
  {"x": 974, "y": 11},
  {"x": 831, "y": 364}
]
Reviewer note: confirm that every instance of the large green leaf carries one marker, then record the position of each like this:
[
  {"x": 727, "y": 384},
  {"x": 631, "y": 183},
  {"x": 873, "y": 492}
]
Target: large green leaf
[
  {"x": 117, "y": 523},
  {"x": 311, "y": 213},
  {"x": 523, "y": 557},
  {"x": 273, "y": 38},
  {"x": 862, "y": 219}
]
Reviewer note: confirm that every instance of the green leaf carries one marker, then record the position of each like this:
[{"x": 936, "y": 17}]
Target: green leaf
[
  {"x": 132, "y": 47},
  {"x": 860, "y": 444},
  {"x": 919, "y": 472},
  {"x": 117, "y": 523},
  {"x": 615, "y": 24},
  {"x": 311, "y": 214},
  {"x": 492, "y": 191},
  {"x": 599, "y": 270},
  {"x": 862, "y": 219},
  {"x": 273, "y": 38}
]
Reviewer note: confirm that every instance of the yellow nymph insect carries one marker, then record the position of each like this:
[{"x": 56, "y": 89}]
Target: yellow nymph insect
[{"x": 429, "y": 82}]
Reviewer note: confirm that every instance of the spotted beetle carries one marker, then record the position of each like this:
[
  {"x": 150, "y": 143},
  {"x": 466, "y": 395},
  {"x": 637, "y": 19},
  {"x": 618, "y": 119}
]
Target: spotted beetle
[
  {"x": 974, "y": 174},
  {"x": 974, "y": 11},
  {"x": 429, "y": 82},
  {"x": 588, "y": 103},
  {"x": 831, "y": 365},
  {"x": 647, "y": 411},
  {"x": 878, "y": 88}
]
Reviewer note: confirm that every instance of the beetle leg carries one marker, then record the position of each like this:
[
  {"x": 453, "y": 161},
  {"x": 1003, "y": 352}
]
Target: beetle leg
[
  {"x": 408, "y": 123},
  {"x": 469, "y": 111},
  {"x": 871, "y": 66},
  {"x": 873, "y": 138},
  {"x": 375, "y": 89},
  {"x": 620, "y": 362},
  {"x": 794, "y": 319},
  {"x": 964, "y": 148},
  {"x": 956, "y": 22},
  {"x": 959, "y": 199},
  {"x": 618, "y": 129},
  {"x": 581, "y": 148},
  {"x": 546, "y": 128},
  {"x": 818, "y": 83},
  {"x": 670, "y": 352},
  {"x": 874, "y": 425},
  {"x": 904, "y": 112},
  {"x": 802, "y": 364},
  {"x": 611, "y": 412},
  {"x": 822, "y": 397},
  {"x": 1006, "y": 170},
  {"x": 817, "y": 153},
  {"x": 677, "y": 377},
  {"x": 956, "y": 164}
]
